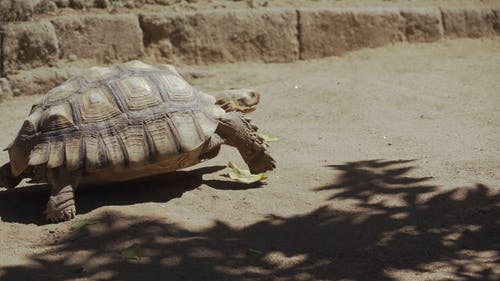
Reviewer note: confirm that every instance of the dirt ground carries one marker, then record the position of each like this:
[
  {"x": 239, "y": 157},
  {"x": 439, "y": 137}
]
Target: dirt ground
[{"x": 388, "y": 169}]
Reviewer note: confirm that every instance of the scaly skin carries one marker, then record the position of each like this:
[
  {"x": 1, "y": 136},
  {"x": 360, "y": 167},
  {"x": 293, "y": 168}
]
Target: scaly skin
[
  {"x": 61, "y": 203},
  {"x": 61, "y": 206},
  {"x": 241, "y": 100},
  {"x": 238, "y": 132}
]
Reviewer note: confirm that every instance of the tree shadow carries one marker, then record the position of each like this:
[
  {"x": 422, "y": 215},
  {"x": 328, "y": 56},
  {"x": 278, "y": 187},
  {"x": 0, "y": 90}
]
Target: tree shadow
[
  {"x": 26, "y": 204},
  {"x": 395, "y": 223}
]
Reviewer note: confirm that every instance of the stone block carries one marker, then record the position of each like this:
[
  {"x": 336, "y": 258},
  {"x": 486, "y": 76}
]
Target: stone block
[
  {"x": 16, "y": 10},
  {"x": 28, "y": 45},
  {"x": 328, "y": 32},
  {"x": 24, "y": 10},
  {"x": 470, "y": 23},
  {"x": 105, "y": 38},
  {"x": 223, "y": 36},
  {"x": 423, "y": 24}
]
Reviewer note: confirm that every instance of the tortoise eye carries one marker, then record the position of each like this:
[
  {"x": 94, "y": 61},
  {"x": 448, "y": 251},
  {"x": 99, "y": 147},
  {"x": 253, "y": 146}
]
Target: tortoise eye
[{"x": 252, "y": 94}]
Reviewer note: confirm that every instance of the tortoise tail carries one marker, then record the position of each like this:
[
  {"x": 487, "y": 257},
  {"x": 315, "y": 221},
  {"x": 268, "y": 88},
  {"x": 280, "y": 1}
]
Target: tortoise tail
[{"x": 7, "y": 179}]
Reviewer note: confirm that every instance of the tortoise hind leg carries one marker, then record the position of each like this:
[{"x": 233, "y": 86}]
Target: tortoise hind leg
[
  {"x": 238, "y": 132},
  {"x": 7, "y": 179},
  {"x": 61, "y": 204}
]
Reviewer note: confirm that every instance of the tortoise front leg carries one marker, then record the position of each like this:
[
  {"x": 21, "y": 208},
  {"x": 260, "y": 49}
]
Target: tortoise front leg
[
  {"x": 238, "y": 132},
  {"x": 61, "y": 204}
]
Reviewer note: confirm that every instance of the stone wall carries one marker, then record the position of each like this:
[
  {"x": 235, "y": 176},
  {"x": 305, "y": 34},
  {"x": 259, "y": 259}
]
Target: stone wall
[
  {"x": 214, "y": 37},
  {"x": 268, "y": 35}
]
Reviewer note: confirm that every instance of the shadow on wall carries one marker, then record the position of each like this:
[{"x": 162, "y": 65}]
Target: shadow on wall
[{"x": 398, "y": 223}]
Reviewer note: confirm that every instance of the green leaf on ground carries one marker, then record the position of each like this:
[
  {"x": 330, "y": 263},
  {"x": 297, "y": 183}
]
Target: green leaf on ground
[
  {"x": 132, "y": 252},
  {"x": 244, "y": 176},
  {"x": 79, "y": 224}
]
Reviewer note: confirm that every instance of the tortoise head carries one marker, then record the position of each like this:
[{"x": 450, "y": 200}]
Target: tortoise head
[{"x": 242, "y": 100}]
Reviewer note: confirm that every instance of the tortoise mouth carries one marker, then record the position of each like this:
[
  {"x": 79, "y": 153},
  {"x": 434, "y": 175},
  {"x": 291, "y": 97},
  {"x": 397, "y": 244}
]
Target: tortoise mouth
[
  {"x": 237, "y": 106},
  {"x": 247, "y": 104},
  {"x": 250, "y": 108}
]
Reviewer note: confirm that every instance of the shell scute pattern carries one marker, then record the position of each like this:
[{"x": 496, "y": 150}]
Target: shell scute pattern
[
  {"x": 135, "y": 144},
  {"x": 96, "y": 105},
  {"x": 63, "y": 91},
  {"x": 92, "y": 157},
  {"x": 164, "y": 141},
  {"x": 177, "y": 89},
  {"x": 57, "y": 117},
  {"x": 187, "y": 130},
  {"x": 73, "y": 152},
  {"x": 115, "y": 117},
  {"x": 56, "y": 158},
  {"x": 138, "y": 93},
  {"x": 99, "y": 73}
]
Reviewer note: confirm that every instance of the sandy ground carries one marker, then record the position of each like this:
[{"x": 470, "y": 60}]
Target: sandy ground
[{"x": 388, "y": 169}]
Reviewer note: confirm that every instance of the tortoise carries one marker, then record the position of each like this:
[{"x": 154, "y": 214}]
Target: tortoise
[{"x": 118, "y": 123}]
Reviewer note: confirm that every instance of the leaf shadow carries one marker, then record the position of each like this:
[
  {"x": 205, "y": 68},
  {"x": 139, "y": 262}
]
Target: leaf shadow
[{"x": 396, "y": 223}]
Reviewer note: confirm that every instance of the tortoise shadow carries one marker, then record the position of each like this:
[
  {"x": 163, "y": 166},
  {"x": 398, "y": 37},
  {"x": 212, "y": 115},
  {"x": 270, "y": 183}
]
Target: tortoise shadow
[{"x": 25, "y": 205}]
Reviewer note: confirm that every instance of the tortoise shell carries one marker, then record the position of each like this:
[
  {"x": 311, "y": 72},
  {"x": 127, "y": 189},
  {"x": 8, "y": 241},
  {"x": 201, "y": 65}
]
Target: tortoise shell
[{"x": 123, "y": 116}]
